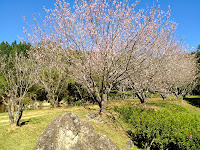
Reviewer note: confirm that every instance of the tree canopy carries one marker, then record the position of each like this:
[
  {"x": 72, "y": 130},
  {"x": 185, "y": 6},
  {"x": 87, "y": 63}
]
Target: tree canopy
[{"x": 106, "y": 43}]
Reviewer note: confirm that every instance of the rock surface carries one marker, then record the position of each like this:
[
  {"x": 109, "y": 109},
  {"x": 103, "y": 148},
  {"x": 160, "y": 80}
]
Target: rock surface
[
  {"x": 68, "y": 132},
  {"x": 95, "y": 117}
]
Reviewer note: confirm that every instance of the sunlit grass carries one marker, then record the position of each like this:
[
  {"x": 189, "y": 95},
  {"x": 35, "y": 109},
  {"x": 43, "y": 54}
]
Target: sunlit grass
[{"x": 25, "y": 137}]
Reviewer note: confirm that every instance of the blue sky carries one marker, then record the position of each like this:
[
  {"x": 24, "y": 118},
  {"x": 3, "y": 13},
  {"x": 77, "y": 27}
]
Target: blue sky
[{"x": 185, "y": 12}]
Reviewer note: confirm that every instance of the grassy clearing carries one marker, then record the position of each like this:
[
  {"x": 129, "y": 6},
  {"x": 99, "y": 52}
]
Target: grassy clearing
[{"x": 25, "y": 137}]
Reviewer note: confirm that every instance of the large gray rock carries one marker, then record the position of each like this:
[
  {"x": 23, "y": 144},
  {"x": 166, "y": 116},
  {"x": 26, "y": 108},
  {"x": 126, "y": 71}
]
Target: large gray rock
[{"x": 68, "y": 132}]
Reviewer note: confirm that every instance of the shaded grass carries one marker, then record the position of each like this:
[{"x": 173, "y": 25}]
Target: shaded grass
[{"x": 193, "y": 100}]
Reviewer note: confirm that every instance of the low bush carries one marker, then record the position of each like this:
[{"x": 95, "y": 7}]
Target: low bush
[
  {"x": 78, "y": 103},
  {"x": 68, "y": 99},
  {"x": 161, "y": 129}
]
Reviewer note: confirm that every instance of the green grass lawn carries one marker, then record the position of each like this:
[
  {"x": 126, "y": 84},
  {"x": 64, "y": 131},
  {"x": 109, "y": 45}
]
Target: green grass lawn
[{"x": 25, "y": 137}]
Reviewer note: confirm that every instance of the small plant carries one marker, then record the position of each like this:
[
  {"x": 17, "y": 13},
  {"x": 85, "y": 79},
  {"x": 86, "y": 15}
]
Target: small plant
[
  {"x": 78, "y": 103},
  {"x": 68, "y": 99}
]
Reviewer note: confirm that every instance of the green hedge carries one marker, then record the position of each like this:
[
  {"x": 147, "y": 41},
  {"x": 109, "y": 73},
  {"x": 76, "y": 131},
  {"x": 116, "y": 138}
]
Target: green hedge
[{"x": 161, "y": 129}]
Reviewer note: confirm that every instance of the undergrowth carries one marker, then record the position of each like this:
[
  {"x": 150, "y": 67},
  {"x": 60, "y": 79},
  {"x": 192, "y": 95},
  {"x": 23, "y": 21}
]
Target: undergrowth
[{"x": 171, "y": 127}]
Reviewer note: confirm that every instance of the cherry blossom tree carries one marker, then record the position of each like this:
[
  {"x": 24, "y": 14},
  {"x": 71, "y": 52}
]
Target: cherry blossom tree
[
  {"x": 181, "y": 74},
  {"x": 105, "y": 42},
  {"x": 19, "y": 76},
  {"x": 51, "y": 71},
  {"x": 172, "y": 73},
  {"x": 157, "y": 41}
]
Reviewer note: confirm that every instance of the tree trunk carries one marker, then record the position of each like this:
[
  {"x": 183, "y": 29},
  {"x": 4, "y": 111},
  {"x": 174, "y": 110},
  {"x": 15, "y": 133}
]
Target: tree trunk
[
  {"x": 10, "y": 114},
  {"x": 163, "y": 96},
  {"x": 11, "y": 110},
  {"x": 19, "y": 115},
  {"x": 141, "y": 97},
  {"x": 176, "y": 94},
  {"x": 55, "y": 103},
  {"x": 103, "y": 103}
]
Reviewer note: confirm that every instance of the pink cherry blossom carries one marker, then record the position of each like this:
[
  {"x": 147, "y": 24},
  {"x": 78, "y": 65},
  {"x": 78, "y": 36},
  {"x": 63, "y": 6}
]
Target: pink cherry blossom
[{"x": 109, "y": 43}]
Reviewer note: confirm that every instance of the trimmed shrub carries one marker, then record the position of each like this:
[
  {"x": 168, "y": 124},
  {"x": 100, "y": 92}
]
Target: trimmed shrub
[{"x": 161, "y": 129}]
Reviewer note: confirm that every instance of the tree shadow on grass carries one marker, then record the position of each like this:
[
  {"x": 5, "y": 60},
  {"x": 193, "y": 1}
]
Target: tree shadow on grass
[
  {"x": 23, "y": 123},
  {"x": 193, "y": 101}
]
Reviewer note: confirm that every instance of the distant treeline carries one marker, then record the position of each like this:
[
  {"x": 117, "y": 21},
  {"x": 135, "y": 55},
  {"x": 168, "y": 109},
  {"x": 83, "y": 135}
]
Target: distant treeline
[
  {"x": 10, "y": 49},
  {"x": 196, "y": 90}
]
